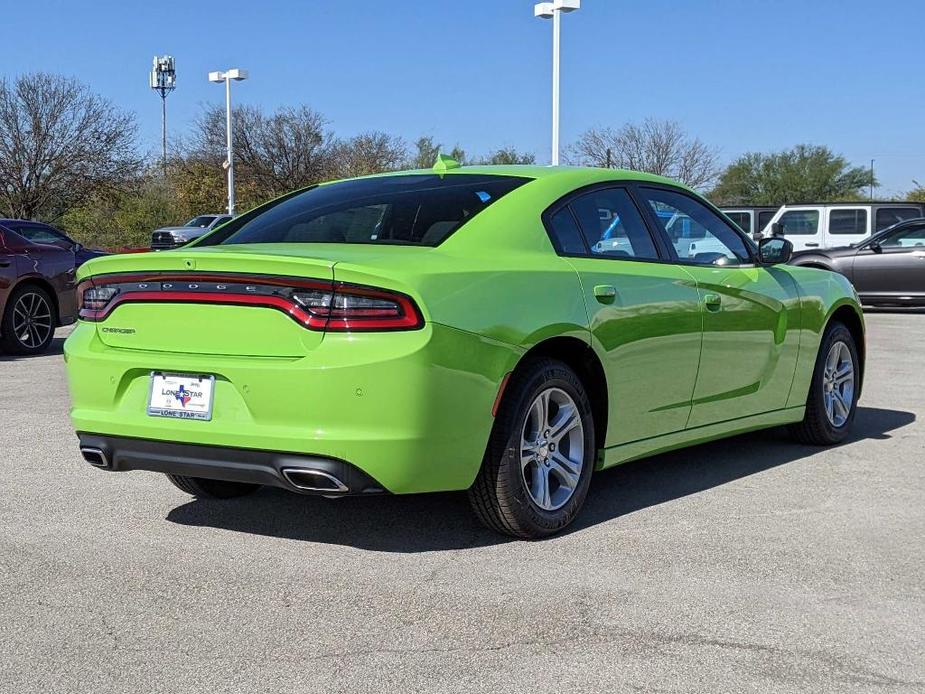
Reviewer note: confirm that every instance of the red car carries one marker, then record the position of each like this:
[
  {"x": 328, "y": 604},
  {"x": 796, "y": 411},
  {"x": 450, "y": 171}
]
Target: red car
[{"x": 37, "y": 292}]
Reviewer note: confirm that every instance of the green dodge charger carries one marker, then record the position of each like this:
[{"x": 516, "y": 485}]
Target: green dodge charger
[{"x": 502, "y": 330}]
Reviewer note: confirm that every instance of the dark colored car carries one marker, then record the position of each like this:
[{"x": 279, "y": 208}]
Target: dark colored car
[
  {"x": 887, "y": 269},
  {"x": 37, "y": 292},
  {"x": 38, "y": 232}
]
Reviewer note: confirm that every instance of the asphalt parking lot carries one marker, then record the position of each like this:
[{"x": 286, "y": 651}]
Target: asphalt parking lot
[{"x": 751, "y": 564}]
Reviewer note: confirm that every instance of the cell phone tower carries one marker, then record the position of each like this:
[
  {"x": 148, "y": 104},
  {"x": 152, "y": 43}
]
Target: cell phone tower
[{"x": 164, "y": 81}]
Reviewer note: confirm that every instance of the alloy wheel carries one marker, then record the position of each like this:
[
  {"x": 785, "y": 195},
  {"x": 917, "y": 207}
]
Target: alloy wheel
[
  {"x": 838, "y": 384},
  {"x": 552, "y": 449},
  {"x": 32, "y": 322}
]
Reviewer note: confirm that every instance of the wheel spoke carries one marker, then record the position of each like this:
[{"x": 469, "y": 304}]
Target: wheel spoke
[
  {"x": 527, "y": 456},
  {"x": 565, "y": 470},
  {"x": 540, "y": 490},
  {"x": 566, "y": 419},
  {"x": 841, "y": 406}
]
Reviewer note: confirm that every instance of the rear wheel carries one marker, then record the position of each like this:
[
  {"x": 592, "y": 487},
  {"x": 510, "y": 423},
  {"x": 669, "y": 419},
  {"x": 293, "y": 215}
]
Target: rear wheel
[
  {"x": 204, "y": 488},
  {"x": 833, "y": 393},
  {"x": 28, "y": 323},
  {"x": 537, "y": 468}
]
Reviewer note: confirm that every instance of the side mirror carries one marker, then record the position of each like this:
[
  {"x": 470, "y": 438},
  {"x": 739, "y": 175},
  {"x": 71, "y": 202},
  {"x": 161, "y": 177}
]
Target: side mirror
[
  {"x": 875, "y": 247},
  {"x": 77, "y": 247},
  {"x": 777, "y": 229},
  {"x": 774, "y": 251}
]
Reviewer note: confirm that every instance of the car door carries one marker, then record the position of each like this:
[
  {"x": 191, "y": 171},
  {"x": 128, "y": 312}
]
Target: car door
[
  {"x": 894, "y": 266},
  {"x": 7, "y": 272},
  {"x": 845, "y": 226},
  {"x": 644, "y": 313},
  {"x": 751, "y": 314},
  {"x": 802, "y": 226}
]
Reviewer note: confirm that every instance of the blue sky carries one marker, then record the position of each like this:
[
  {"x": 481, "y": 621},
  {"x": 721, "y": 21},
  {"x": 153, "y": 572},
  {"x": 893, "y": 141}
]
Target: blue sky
[{"x": 742, "y": 76}]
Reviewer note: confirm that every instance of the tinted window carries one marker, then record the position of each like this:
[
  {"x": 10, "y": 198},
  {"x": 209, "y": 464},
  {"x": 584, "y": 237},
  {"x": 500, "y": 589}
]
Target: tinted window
[
  {"x": 221, "y": 220},
  {"x": 764, "y": 218},
  {"x": 37, "y": 233},
  {"x": 565, "y": 232},
  {"x": 743, "y": 220},
  {"x": 696, "y": 233},
  {"x": 847, "y": 221},
  {"x": 612, "y": 225},
  {"x": 418, "y": 209},
  {"x": 800, "y": 222},
  {"x": 888, "y": 216},
  {"x": 200, "y": 221},
  {"x": 913, "y": 237}
]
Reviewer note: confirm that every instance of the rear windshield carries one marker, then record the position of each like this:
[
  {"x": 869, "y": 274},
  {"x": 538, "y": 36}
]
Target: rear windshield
[{"x": 420, "y": 210}]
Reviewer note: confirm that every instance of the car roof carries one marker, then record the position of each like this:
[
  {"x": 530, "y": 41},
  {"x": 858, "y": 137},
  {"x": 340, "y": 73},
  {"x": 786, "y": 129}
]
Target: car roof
[{"x": 578, "y": 175}]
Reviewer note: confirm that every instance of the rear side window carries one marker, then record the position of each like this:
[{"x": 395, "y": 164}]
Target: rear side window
[
  {"x": 743, "y": 220},
  {"x": 847, "y": 221},
  {"x": 888, "y": 216},
  {"x": 800, "y": 222},
  {"x": 612, "y": 225},
  {"x": 420, "y": 210},
  {"x": 566, "y": 234}
]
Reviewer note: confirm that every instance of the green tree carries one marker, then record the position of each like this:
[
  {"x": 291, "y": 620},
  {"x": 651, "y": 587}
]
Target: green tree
[
  {"x": 509, "y": 155},
  {"x": 806, "y": 173}
]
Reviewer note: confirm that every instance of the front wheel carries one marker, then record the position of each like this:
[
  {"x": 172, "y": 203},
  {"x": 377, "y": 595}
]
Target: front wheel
[
  {"x": 833, "y": 393},
  {"x": 538, "y": 464}
]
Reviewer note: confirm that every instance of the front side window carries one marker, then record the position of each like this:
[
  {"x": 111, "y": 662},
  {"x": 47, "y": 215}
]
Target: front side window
[
  {"x": 612, "y": 225},
  {"x": 764, "y": 218},
  {"x": 420, "y": 210},
  {"x": 888, "y": 216},
  {"x": 848, "y": 221},
  {"x": 800, "y": 222},
  {"x": 913, "y": 237},
  {"x": 697, "y": 234}
]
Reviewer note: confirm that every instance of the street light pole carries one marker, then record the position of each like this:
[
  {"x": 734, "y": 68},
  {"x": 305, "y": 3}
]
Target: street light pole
[
  {"x": 226, "y": 77},
  {"x": 553, "y": 10}
]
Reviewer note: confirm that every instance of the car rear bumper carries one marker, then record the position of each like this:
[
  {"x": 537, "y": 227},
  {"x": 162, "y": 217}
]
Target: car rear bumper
[
  {"x": 296, "y": 473},
  {"x": 412, "y": 410}
]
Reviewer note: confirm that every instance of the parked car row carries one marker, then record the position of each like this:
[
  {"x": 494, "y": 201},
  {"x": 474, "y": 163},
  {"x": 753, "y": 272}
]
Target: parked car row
[
  {"x": 166, "y": 238},
  {"x": 823, "y": 225}
]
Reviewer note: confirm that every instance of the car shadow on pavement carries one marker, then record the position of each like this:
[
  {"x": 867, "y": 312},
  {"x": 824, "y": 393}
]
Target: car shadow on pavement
[
  {"x": 56, "y": 348},
  {"x": 433, "y": 522}
]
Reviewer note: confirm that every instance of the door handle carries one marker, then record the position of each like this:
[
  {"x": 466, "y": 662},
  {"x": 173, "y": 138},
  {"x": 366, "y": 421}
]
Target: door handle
[
  {"x": 712, "y": 301},
  {"x": 4, "y": 263},
  {"x": 605, "y": 293},
  {"x": 812, "y": 245}
]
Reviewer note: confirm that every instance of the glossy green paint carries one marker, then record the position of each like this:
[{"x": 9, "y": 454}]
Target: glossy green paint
[{"x": 413, "y": 409}]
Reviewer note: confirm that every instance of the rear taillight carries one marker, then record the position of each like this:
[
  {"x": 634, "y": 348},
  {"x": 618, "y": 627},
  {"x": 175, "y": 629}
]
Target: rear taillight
[
  {"x": 353, "y": 308},
  {"x": 314, "y": 304}
]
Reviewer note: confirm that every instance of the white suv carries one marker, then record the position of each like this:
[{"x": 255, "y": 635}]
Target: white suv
[{"x": 829, "y": 225}]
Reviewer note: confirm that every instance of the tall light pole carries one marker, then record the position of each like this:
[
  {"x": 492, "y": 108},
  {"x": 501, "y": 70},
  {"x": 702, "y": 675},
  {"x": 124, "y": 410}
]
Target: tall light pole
[
  {"x": 872, "y": 178},
  {"x": 227, "y": 76},
  {"x": 553, "y": 10},
  {"x": 163, "y": 80}
]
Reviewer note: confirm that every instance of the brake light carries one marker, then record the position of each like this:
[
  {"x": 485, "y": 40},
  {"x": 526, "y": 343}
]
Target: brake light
[{"x": 316, "y": 305}]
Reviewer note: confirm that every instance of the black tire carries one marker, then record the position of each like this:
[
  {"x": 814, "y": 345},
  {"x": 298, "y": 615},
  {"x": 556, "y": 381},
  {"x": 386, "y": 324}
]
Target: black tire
[
  {"x": 203, "y": 488},
  {"x": 500, "y": 496},
  {"x": 10, "y": 341},
  {"x": 816, "y": 428}
]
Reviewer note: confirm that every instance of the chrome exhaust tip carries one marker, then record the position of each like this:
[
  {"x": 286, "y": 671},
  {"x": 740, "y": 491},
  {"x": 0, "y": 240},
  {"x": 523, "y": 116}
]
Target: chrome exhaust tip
[
  {"x": 95, "y": 456},
  {"x": 314, "y": 481}
]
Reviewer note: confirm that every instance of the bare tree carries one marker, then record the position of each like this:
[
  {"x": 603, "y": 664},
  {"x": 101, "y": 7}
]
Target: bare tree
[
  {"x": 655, "y": 146},
  {"x": 274, "y": 153},
  {"x": 59, "y": 144},
  {"x": 369, "y": 153}
]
